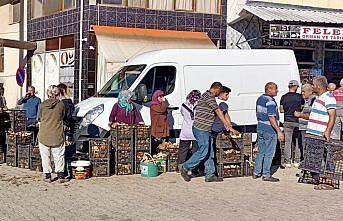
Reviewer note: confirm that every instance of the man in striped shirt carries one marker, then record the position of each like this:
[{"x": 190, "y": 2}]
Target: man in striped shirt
[
  {"x": 323, "y": 113},
  {"x": 205, "y": 112}
]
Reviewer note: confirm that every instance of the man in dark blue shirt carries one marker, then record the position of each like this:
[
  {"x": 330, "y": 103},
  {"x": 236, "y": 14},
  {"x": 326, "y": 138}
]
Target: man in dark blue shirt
[
  {"x": 31, "y": 105},
  {"x": 268, "y": 131}
]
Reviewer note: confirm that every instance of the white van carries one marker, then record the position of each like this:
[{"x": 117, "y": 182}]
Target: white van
[{"x": 178, "y": 71}]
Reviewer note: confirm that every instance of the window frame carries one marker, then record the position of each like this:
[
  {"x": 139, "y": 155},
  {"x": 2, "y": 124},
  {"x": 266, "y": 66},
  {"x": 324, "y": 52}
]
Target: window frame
[
  {"x": 193, "y": 10},
  {"x": 11, "y": 20},
  {"x": 60, "y": 8}
]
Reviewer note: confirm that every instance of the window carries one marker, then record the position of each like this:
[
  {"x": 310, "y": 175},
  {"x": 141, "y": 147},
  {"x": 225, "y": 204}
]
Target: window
[
  {"x": 112, "y": 2},
  {"x": 161, "y": 4},
  {"x": 14, "y": 16},
  {"x": 137, "y": 3},
  {"x": 207, "y": 6},
  {"x": 2, "y": 59},
  {"x": 46, "y": 7},
  {"x": 160, "y": 78},
  {"x": 184, "y": 5}
]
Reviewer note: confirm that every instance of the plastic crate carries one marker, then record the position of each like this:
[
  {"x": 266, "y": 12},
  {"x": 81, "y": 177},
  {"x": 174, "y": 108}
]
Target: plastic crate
[
  {"x": 11, "y": 161},
  {"x": 227, "y": 171},
  {"x": 142, "y": 132},
  {"x": 313, "y": 155},
  {"x": 333, "y": 155},
  {"x": 36, "y": 164},
  {"x": 17, "y": 120},
  {"x": 226, "y": 142},
  {"x": 229, "y": 156},
  {"x": 123, "y": 131},
  {"x": 2, "y": 157},
  {"x": 124, "y": 169},
  {"x": 34, "y": 152},
  {"x": 142, "y": 144},
  {"x": 101, "y": 167},
  {"x": 24, "y": 156},
  {"x": 172, "y": 165},
  {"x": 99, "y": 148},
  {"x": 19, "y": 138}
]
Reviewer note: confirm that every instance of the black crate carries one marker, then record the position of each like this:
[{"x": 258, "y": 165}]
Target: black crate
[
  {"x": 247, "y": 139},
  {"x": 34, "y": 152},
  {"x": 333, "y": 155},
  {"x": 24, "y": 156},
  {"x": 36, "y": 164},
  {"x": 122, "y": 131},
  {"x": 313, "y": 155},
  {"x": 143, "y": 144},
  {"x": 17, "y": 120},
  {"x": 99, "y": 148},
  {"x": 229, "y": 156},
  {"x": 228, "y": 171},
  {"x": 226, "y": 142},
  {"x": 172, "y": 165},
  {"x": 11, "y": 161},
  {"x": 124, "y": 168},
  {"x": 101, "y": 167},
  {"x": 124, "y": 156},
  {"x": 142, "y": 132},
  {"x": 17, "y": 138},
  {"x": 2, "y": 157}
]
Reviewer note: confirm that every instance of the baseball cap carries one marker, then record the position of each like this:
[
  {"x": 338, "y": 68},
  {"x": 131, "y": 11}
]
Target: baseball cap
[{"x": 293, "y": 83}]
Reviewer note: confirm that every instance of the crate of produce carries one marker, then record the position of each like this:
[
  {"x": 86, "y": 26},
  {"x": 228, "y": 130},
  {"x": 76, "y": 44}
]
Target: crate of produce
[
  {"x": 101, "y": 167},
  {"x": 122, "y": 131},
  {"x": 17, "y": 120},
  {"x": 99, "y": 148},
  {"x": 170, "y": 149},
  {"x": 11, "y": 161},
  {"x": 17, "y": 138},
  {"x": 34, "y": 152},
  {"x": 229, "y": 156},
  {"x": 2, "y": 157},
  {"x": 36, "y": 164},
  {"x": 247, "y": 139},
  {"x": 142, "y": 144},
  {"x": 142, "y": 132},
  {"x": 333, "y": 157},
  {"x": 172, "y": 165},
  {"x": 313, "y": 155},
  {"x": 124, "y": 156},
  {"x": 227, "y": 142},
  {"x": 24, "y": 156},
  {"x": 227, "y": 171},
  {"x": 124, "y": 168}
]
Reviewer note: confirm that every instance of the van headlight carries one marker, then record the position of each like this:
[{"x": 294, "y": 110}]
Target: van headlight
[{"x": 92, "y": 115}]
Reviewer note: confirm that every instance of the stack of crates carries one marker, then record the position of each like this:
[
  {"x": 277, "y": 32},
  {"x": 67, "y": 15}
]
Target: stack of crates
[
  {"x": 123, "y": 146},
  {"x": 17, "y": 120},
  {"x": 99, "y": 155},
  {"x": 142, "y": 144},
  {"x": 230, "y": 156},
  {"x": 24, "y": 140},
  {"x": 3, "y": 128},
  {"x": 24, "y": 155},
  {"x": 35, "y": 159}
]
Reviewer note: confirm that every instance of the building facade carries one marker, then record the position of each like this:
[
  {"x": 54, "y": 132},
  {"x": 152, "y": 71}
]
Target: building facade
[
  {"x": 310, "y": 28},
  {"x": 64, "y": 28},
  {"x": 10, "y": 58}
]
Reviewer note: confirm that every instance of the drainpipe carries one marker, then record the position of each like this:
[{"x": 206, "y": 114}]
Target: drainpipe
[
  {"x": 22, "y": 62},
  {"x": 80, "y": 51}
]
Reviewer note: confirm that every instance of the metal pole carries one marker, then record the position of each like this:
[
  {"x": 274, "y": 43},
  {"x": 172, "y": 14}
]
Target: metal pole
[{"x": 80, "y": 51}]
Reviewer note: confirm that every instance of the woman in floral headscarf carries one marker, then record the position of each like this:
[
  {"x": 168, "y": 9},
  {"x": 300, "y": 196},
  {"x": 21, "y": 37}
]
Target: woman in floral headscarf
[
  {"x": 159, "y": 120},
  {"x": 125, "y": 111},
  {"x": 186, "y": 136}
]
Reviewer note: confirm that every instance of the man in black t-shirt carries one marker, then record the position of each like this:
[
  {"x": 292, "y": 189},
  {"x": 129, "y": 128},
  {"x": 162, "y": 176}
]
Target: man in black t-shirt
[{"x": 291, "y": 102}]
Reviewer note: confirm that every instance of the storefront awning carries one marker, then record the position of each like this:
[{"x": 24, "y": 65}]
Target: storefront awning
[
  {"x": 282, "y": 12},
  {"x": 118, "y": 44}
]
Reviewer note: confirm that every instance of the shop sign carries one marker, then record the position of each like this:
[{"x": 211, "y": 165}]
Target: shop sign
[
  {"x": 67, "y": 58},
  {"x": 305, "y": 33}
]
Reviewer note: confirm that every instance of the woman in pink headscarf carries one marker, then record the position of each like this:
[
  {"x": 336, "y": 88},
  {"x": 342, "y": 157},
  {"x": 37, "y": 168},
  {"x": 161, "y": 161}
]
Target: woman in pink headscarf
[{"x": 159, "y": 120}]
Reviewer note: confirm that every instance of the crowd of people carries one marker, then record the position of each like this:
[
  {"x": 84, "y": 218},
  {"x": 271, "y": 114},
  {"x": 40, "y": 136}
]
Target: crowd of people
[{"x": 311, "y": 112}]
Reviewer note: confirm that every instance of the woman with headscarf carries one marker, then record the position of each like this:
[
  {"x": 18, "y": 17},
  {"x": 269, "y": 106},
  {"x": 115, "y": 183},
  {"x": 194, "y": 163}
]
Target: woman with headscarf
[
  {"x": 186, "y": 136},
  {"x": 159, "y": 120},
  {"x": 125, "y": 111}
]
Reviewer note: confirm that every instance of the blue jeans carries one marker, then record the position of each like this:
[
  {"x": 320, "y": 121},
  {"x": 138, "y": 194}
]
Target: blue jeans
[
  {"x": 203, "y": 153},
  {"x": 266, "y": 149}
]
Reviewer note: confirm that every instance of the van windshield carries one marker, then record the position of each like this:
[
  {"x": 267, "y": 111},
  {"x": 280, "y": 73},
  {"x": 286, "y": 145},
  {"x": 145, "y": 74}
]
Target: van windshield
[{"x": 122, "y": 80}]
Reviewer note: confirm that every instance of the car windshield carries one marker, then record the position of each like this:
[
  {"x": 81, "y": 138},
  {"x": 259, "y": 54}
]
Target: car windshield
[{"x": 122, "y": 80}]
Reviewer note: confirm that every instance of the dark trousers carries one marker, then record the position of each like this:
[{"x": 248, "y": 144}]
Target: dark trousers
[
  {"x": 185, "y": 152},
  {"x": 155, "y": 142}
]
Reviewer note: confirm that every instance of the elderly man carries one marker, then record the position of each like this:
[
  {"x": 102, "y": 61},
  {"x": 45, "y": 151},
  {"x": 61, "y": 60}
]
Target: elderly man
[
  {"x": 338, "y": 95},
  {"x": 268, "y": 131},
  {"x": 291, "y": 102},
  {"x": 51, "y": 135},
  {"x": 31, "y": 105},
  {"x": 332, "y": 87}
]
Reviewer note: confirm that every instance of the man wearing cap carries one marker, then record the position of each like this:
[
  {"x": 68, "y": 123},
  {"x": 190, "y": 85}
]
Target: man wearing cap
[
  {"x": 338, "y": 95},
  {"x": 291, "y": 102}
]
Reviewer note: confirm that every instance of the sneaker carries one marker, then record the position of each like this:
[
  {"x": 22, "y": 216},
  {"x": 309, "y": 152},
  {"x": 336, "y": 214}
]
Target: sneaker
[
  {"x": 47, "y": 178},
  {"x": 288, "y": 165},
  {"x": 184, "y": 175},
  {"x": 213, "y": 178},
  {"x": 296, "y": 165},
  {"x": 270, "y": 179},
  {"x": 61, "y": 177},
  {"x": 254, "y": 176}
]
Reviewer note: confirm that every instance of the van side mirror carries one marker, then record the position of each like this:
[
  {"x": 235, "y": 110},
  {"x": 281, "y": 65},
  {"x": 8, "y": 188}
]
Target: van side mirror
[{"x": 142, "y": 92}]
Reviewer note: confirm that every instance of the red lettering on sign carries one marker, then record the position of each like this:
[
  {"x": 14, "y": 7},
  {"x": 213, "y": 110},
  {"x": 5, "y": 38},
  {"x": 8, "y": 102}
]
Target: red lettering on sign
[
  {"x": 336, "y": 32},
  {"x": 317, "y": 31},
  {"x": 326, "y": 32},
  {"x": 306, "y": 30}
]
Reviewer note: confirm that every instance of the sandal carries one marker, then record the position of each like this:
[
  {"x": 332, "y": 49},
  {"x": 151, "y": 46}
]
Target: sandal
[{"x": 324, "y": 187}]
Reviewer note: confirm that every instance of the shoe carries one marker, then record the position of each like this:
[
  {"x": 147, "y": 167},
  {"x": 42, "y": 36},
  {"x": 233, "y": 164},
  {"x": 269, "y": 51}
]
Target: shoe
[
  {"x": 296, "y": 165},
  {"x": 270, "y": 179},
  {"x": 184, "y": 175},
  {"x": 47, "y": 178},
  {"x": 213, "y": 179},
  {"x": 288, "y": 165},
  {"x": 61, "y": 177},
  {"x": 256, "y": 176}
]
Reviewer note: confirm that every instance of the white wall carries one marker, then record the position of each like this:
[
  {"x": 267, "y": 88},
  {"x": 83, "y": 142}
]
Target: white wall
[{"x": 12, "y": 90}]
